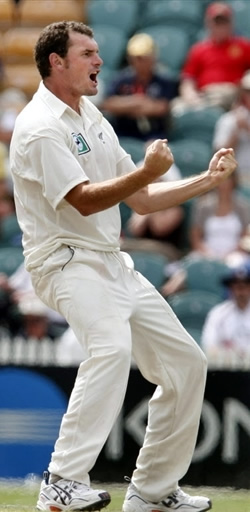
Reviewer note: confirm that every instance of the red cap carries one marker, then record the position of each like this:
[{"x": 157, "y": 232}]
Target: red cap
[{"x": 218, "y": 9}]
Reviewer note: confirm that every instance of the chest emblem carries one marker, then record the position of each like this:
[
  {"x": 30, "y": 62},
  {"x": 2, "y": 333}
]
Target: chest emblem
[
  {"x": 82, "y": 145},
  {"x": 100, "y": 136}
]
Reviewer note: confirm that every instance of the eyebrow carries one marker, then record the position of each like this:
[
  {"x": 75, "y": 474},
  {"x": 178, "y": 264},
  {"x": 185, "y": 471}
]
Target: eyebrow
[{"x": 88, "y": 50}]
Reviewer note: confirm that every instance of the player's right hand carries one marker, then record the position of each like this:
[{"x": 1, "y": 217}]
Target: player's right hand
[{"x": 158, "y": 158}]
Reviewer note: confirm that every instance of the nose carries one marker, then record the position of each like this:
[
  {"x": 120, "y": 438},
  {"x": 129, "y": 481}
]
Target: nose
[
  {"x": 97, "y": 59},
  {"x": 100, "y": 61}
]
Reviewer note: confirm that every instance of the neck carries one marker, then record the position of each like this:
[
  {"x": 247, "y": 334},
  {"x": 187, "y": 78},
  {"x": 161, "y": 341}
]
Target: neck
[
  {"x": 220, "y": 40},
  {"x": 63, "y": 95},
  {"x": 242, "y": 303}
]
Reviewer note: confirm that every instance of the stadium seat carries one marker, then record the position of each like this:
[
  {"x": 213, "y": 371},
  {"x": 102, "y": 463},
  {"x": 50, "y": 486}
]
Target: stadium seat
[
  {"x": 197, "y": 124},
  {"x": 22, "y": 76},
  {"x": 126, "y": 213},
  {"x": 151, "y": 265},
  {"x": 206, "y": 275},
  {"x": 173, "y": 44},
  {"x": 10, "y": 232},
  {"x": 182, "y": 14},
  {"x": 49, "y": 11},
  {"x": 10, "y": 259},
  {"x": 184, "y": 244},
  {"x": 191, "y": 156},
  {"x": 244, "y": 192},
  {"x": 135, "y": 148},
  {"x": 112, "y": 44},
  {"x": 119, "y": 14},
  {"x": 8, "y": 14},
  {"x": 195, "y": 333},
  {"x": 192, "y": 307},
  {"x": 241, "y": 9},
  {"x": 18, "y": 44}
]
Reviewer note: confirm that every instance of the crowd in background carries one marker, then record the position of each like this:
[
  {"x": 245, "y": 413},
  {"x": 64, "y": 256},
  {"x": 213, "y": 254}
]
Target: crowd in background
[{"x": 199, "y": 106}]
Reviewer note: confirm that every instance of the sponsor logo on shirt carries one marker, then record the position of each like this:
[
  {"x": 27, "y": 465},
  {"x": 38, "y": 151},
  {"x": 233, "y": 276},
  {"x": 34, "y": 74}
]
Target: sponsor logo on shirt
[
  {"x": 235, "y": 51},
  {"x": 81, "y": 143}
]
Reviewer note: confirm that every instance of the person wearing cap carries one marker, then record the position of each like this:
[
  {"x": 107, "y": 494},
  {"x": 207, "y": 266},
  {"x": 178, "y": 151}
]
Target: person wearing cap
[
  {"x": 35, "y": 316},
  {"x": 227, "y": 326},
  {"x": 233, "y": 130},
  {"x": 139, "y": 96},
  {"x": 215, "y": 65}
]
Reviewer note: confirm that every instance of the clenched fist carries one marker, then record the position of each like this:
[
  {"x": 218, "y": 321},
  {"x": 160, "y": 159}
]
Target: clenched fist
[
  {"x": 222, "y": 164},
  {"x": 158, "y": 158}
]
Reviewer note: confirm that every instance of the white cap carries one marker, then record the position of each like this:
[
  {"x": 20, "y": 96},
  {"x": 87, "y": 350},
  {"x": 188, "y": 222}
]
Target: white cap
[{"x": 141, "y": 45}]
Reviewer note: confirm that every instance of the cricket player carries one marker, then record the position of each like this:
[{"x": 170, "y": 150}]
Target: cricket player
[{"x": 70, "y": 174}]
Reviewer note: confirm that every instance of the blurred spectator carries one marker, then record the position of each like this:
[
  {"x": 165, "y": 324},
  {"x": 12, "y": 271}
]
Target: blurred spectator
[
  {"x": 164, "y": 225},
  {"x": 3, "y": 161},
  {"x": 215, "y": 65},
  {"x": 244, "y": 244},
  {"x": 35, "y": 321},
  {"x": 7, "y": 204},
  {"x": 10, "y": 233},
  {"x": 138, "y": 98},
  {"x": 227, "y": 326},
  {"x": 219, "y": 222},
  {"x": 22, "y": 312},
  {"x": 241, "y": 255},
  {"x": 233, "y": 130},
  {"x": 12, "y": 101}
]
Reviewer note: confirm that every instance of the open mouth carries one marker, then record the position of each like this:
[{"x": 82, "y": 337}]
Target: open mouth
[{"x": 93, "y": 77}]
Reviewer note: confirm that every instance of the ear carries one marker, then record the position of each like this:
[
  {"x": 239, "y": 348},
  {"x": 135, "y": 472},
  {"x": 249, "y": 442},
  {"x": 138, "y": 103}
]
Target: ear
[{"x": 55, "y": 60}]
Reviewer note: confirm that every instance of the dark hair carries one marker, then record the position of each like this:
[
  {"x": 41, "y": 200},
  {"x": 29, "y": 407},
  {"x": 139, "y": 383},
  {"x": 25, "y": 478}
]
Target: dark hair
[{"x": 56, "y": 38}]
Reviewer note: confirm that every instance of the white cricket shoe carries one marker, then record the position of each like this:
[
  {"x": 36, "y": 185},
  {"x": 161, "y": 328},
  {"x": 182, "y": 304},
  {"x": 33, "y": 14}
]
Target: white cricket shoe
[
  {"x": 66, "y": 495},
  {"x": 178, "y": 500}
]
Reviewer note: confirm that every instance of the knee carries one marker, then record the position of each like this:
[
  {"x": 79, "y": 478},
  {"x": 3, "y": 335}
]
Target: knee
[
  {"x": 111, "y": 342},
  {"x": 121, "y": 352}
]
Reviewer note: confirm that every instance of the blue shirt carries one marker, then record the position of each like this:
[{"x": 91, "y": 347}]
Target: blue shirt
[{"x": 161, "y": 86}]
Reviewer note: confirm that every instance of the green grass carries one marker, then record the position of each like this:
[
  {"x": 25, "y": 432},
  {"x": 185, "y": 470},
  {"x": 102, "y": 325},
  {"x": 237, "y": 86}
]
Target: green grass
[{"x": 22, "y": 497}]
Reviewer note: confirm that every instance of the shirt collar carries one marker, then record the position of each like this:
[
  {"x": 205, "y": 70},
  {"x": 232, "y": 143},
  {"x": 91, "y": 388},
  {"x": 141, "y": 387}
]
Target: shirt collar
[{"x": 59, "y": 107}]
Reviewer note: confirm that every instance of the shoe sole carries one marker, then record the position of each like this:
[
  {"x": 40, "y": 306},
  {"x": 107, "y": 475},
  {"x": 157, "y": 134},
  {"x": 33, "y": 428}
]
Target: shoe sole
[
  {"x": 98, "y": 505},
  {"x": 210, "y": 505},
  {"x": 128, "y": 507}
]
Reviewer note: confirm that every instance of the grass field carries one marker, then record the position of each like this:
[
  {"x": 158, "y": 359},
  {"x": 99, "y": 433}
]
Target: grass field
[{"x": 22, "y": 498}]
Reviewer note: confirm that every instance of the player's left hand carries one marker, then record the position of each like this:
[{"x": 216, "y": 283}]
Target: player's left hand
[{"x": 222, "y": 164}]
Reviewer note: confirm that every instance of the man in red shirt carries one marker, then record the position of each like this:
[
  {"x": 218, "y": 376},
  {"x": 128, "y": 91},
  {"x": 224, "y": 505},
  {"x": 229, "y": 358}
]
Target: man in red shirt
[{"x": 214, "y": 66}]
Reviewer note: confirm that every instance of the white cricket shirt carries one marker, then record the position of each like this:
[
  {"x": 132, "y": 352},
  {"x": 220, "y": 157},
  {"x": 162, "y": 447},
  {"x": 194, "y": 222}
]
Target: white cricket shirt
[{"x": 53, "y": 149}]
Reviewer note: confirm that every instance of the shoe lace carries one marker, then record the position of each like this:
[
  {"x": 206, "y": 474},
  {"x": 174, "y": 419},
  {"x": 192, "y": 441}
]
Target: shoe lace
[
  {"x": 178, "y": 493},
  {"x": 79, "y": 486},
  {"x": 175, "y": 496}
]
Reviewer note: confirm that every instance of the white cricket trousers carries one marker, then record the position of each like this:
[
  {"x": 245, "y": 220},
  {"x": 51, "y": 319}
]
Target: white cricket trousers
[{"x": 115, "y": 312}]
